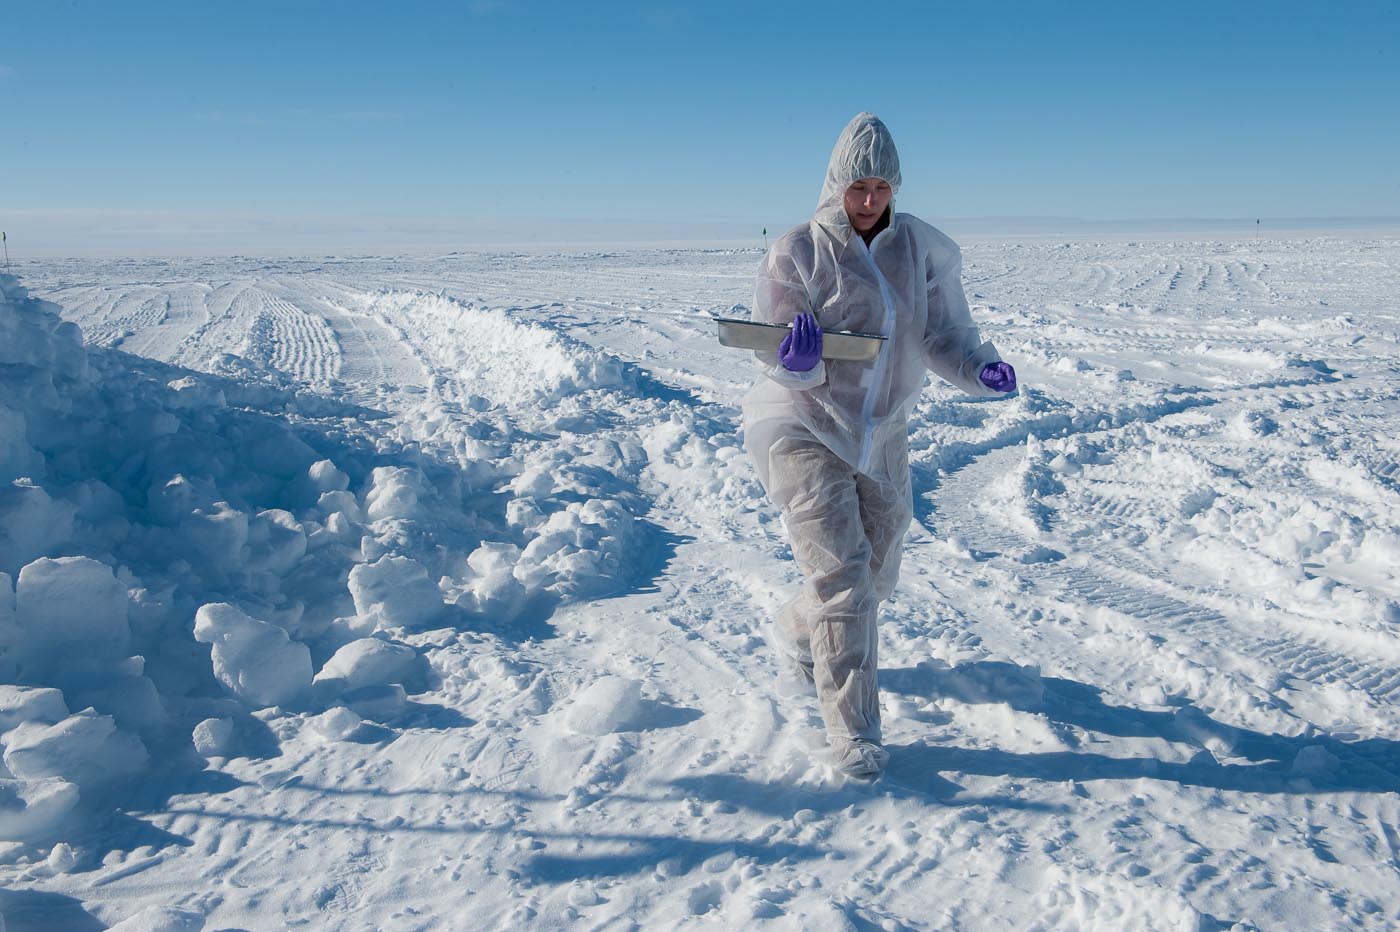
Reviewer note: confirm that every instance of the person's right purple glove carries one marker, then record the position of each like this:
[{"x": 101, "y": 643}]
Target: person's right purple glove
[
  {"x": 801, "y": 350},
  {"x": 999, "y": 377}
]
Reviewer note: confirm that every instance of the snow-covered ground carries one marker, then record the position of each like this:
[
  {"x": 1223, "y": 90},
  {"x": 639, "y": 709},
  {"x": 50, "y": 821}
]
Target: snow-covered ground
[{"x": 450, "y": 584}]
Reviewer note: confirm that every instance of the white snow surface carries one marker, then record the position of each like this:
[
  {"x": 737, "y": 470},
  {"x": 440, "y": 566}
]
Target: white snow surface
[{"x": 375, "y": 593}]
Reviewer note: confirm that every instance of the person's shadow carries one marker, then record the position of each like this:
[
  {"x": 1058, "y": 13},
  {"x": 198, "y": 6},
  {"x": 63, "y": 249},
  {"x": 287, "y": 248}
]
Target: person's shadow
[{"x": 1229, "y": 757}]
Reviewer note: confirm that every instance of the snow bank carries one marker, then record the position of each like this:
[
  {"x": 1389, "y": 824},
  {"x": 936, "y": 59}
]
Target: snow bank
[{"x": 175, "y": 546}]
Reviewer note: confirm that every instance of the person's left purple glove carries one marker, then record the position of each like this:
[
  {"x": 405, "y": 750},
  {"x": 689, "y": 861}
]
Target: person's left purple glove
[
  {"x": 801, "y": 350},
  {"x": 999, "y": 377}
]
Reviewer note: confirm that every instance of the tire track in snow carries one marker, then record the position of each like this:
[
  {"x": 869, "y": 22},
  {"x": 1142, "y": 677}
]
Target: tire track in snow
[
  {"x": 182, "y": 311},
  {"x": 230, "y": 315},
  {"x": 303, "y": 345},
  {"x": 119, "y": 319},
  {"x": 1126, "y": 583},
  {"x": 377, "y": 355}
]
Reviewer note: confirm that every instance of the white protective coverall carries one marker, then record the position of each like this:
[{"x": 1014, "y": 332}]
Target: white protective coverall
[{"x": 830, "y": 445}]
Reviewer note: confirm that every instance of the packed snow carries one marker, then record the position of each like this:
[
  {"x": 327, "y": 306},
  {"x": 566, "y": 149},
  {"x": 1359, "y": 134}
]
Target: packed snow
[{"x": 434, "y": 592}]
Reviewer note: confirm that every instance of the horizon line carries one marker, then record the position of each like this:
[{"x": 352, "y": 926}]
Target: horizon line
[{"x": 78, "y": 234}]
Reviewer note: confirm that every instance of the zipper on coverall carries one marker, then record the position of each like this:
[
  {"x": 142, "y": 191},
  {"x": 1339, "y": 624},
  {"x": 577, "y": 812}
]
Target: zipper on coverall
[{"x": 867, "y": 448}]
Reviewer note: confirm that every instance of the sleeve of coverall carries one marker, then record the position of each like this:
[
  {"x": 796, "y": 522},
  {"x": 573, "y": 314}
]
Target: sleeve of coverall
[
  {"x": 952, "y": 348},
  {"x": 779, "y": 296}
]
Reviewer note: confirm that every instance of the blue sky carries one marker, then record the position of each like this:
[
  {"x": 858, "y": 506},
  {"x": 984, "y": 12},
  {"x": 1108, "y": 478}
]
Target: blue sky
[{"x": 701, "y": 116}]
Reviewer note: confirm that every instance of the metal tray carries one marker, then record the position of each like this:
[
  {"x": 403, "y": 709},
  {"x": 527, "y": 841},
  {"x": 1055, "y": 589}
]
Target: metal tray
[{"x": 836, "y": 344}]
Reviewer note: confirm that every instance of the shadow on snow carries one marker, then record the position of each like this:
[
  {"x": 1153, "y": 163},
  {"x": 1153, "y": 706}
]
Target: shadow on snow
[{"x": 1255, "y": 762}]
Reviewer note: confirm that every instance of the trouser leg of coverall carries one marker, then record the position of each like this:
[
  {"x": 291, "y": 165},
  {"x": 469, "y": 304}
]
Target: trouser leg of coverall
[{"x": 845, "y": 530}]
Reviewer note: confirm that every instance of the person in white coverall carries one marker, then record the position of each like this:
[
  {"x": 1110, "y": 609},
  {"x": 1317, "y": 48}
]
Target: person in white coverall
[{"x": 829, "y": 438}]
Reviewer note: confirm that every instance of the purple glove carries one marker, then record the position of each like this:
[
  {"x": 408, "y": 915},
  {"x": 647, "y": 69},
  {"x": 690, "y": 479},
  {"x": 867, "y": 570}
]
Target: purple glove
[
  {"x": 999, "y": 377},
  {"x": 801, "y": 349}
]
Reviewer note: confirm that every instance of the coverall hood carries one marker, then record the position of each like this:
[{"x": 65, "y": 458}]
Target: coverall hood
[{"x": 865, "y": 149}]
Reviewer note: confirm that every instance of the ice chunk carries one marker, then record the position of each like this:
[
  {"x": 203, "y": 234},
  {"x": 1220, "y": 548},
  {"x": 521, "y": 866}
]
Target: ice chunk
[
  {"x": 336, "y": 724},
  {"x": 343, "y": 502},
  {"x": 117, "y": 687},
  {"x": 1315, "y": 761},
  {"x": 17, "y": 457},
  {"x": 609, "y": 704},
  {"x": 276, "y": 541},
  {"x": 31, "y": 524},
  {"x": 179, "y": 497},
  {"x": 9, "y": 625},
  {"x": 395, "y": 492},
  {"x": 101, "y": 506},
  {"x": 69, "y": 607},
  {"x": 584, "y": 549},
  {"x": 524, "y": 515},
  {"x": 19, "y": 704},
  {"x": 495, "y": 592},
  {"x": 219, "y": 534},
  {"x": 537, "y": 482},
  {"x": 273, "y": 450},
  {"x": 161, "y": 919},
  {"x": 379, "y": 703},
  {"x": 86, "y": 748},
  {"x": 188, "y": 393},
  {"x": 32, "y": 808},
  {"x": 256, "y": 661},
  {"x": 61, "y": 860},
  {"x": 338, "y": 529},
  {"x": 369, "y": 662},
  {"x": 325, "y": 477},
  {"x": 494, "y": 558},
  {"x": 213, "y": 737},
  {"x": 147, "y": 424},
  {"x": 395, "y": 592}
]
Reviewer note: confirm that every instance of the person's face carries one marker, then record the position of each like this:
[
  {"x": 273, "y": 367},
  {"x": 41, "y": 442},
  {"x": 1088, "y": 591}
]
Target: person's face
[{"x": 866, "y": 201}]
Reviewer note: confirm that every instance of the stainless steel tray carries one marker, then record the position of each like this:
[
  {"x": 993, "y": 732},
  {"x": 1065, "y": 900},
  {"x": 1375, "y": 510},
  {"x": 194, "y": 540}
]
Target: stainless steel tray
[{"x": 836, "y": 344}]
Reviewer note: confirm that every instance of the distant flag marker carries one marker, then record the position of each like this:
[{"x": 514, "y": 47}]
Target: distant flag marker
[{"x": 5, "y": 238}]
